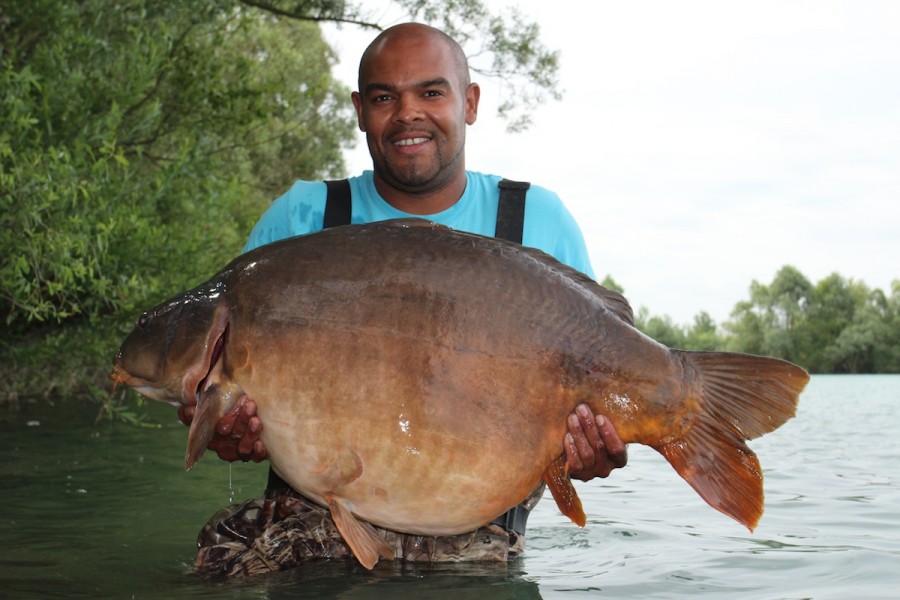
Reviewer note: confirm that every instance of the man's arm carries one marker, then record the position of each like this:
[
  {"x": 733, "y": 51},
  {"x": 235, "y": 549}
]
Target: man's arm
[{"x": 593, "y": 447}]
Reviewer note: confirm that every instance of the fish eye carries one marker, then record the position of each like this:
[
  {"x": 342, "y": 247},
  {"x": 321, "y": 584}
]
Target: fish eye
[{"x": 144, "y": 321}]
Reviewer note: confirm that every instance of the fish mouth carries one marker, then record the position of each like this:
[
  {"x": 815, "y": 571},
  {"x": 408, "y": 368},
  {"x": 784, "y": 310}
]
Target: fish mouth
[{"x": 119, "y": 376}]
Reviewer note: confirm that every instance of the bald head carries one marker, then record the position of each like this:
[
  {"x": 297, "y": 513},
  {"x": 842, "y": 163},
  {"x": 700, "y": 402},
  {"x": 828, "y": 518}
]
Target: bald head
[{"x": 387, "y": 41}]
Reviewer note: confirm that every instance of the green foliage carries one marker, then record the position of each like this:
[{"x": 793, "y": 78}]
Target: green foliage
[
  {"x": 836, "y": 326},
  {"x": 611, "y": 284},
  {"x": 505, "y": 45},
  {"x": 501, "y": 45},
  {"x": 660, "y": 328},
  {"x": 140, "y": 141},
  {"x": 704, "y": 335}
]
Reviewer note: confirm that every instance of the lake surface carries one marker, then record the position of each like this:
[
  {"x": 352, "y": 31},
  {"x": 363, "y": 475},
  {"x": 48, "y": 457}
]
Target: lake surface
[{"x": 106, "y": 511}]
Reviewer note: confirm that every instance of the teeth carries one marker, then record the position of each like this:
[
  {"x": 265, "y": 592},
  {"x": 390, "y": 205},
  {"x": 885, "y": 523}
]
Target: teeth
[{"x": 411, "y": 141}]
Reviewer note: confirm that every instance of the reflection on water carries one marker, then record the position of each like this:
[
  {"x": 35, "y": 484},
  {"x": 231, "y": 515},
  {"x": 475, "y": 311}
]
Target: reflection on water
[{"x": 108, "y": 511}]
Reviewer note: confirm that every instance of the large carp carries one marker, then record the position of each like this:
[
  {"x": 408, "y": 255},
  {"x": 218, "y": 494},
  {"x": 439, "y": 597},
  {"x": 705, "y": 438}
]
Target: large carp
[{"x": 419, "y": 378}]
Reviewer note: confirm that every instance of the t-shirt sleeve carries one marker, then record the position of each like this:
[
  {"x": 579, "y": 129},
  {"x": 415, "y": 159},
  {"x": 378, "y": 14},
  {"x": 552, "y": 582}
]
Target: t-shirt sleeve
[
  {"x": 549, "y": 226},
  {"x": 298, "y": 212}
]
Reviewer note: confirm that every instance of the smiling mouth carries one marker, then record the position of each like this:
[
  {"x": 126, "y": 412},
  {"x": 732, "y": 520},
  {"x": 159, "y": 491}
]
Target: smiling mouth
[{"x": 411, "y": 141}]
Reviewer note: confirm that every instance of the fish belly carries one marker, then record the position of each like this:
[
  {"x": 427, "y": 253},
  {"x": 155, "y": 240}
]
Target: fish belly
[{"x": 418, "y": 440}]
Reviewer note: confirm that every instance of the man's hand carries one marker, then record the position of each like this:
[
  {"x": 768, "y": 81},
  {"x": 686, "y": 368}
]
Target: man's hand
[
  {"x": 593, "y": 447},
  {"x": 237, "y": 433}
]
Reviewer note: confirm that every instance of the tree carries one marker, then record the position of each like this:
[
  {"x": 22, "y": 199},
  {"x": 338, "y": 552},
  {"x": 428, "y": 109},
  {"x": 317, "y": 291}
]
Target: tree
[
  {"x": 662, "y": 329},
  {"x": 703, "y": 335},
  {"x": 868, "y": 343},
  {"x": 504, "y": 46},
  {"x": 140, "y": 140},
  {"x": 887, "y": 357},
  {"x": 611, "y": 284},
  {"x": 143, "y": 138},
  {"x": 832, "y": 307},
  {"x": 768, "y": 322}
]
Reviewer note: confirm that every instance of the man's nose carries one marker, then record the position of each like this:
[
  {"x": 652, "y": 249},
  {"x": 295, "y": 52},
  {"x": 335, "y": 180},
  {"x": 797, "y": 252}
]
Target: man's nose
[{"x": 409, "y": 109}]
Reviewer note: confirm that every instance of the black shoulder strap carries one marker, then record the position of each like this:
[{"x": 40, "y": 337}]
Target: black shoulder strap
[
  {"x": 510, "y": 225},
  {"x": 511, "y": 210},
  {"x": 338, "y": 204}
]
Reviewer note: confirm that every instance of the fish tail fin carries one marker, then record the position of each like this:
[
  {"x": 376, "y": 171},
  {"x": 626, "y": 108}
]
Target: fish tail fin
[{"x": 741, "y": 397}]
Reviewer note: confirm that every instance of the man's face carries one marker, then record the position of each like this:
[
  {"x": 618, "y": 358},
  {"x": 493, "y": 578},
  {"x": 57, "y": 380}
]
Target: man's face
[{"x": 414, "y": 108}]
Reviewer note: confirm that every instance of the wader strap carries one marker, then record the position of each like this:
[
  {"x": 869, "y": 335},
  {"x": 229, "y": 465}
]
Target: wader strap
[
  {"x": 337, "y": 204},
  {"x": 337, "y": 212},
  {"x": 510, "y": 225},
  {"x": 514, "y": 519},
  {"x": 511, "y": 210}
]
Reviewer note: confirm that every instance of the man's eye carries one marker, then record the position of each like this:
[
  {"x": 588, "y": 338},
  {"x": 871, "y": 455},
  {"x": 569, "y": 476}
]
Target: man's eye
[
  {"x": 381, "y": 98},
  {"x": 433, "y": 94}
]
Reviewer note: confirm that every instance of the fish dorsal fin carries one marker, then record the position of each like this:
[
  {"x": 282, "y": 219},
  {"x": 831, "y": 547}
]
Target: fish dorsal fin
[
  {"x": 364, "y": 541},
  {"x": 615, "y": 302},
  {"x": 557, "y": 478},
  {"x": 414, "y": 223}
]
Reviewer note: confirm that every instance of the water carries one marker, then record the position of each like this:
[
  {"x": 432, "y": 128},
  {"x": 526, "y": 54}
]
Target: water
[{"x": 106, "y": 511}]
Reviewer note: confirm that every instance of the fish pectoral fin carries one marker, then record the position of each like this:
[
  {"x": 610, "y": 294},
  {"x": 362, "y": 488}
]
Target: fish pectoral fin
[
  {"x": 557, "y": 478},
  {"x": 364, "y": 541},
  {"x": 213, "y": 404}
]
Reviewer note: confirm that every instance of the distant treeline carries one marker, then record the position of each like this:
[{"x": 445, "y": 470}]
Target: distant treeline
[
  {"x": 140, "y": 140},
  {"x": 835, "y": 326}
]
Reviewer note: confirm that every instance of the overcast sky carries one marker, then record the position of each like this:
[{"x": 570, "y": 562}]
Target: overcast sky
[{"x": 704, "y": 144}]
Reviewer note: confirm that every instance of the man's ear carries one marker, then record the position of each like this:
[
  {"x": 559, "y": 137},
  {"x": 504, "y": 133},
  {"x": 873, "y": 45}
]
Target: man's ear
[
  {"x": 473, "y": 94},
  {"x": 357, "y": 104}
]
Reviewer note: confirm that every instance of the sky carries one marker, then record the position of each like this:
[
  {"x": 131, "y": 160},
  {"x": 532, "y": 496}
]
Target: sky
[{"x": 702, "y": 145}]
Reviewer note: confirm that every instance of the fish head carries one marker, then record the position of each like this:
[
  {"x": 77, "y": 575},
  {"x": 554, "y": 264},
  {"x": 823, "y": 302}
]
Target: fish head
[{"x": 174, "y": 346}]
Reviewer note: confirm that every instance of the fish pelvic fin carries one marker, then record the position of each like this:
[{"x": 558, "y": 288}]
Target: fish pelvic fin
[
  {"x": 557, "y": 479},
  {"x": 743, "y": 397},
  {"x": 367, "y": 545}
]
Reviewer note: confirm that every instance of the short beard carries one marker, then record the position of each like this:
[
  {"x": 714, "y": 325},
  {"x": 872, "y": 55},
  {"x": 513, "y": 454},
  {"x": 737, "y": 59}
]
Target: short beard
[{"x": 416, "y": 178}]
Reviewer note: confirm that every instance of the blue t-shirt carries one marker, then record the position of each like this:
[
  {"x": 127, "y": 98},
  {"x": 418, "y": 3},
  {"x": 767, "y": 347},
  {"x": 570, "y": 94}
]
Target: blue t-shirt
[{"x": 548, "y": 225}]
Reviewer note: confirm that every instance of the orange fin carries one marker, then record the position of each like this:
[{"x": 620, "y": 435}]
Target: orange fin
[
  {"x": 203, "y": 427},
  {"x": 212, "y": 405},
  {"x": 722, "y": 469},
  {"x": 744, "y": 397},
  {"x": 362, "y": 538},
  {"x": 557, "y": 478}
]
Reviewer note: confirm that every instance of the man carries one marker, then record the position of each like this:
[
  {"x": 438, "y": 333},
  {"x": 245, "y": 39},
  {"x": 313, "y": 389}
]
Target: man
[{"x": 414, "y": 103}]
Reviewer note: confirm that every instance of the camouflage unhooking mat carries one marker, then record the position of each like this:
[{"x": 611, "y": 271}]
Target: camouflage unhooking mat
[{"x": 283, "y": 529}]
